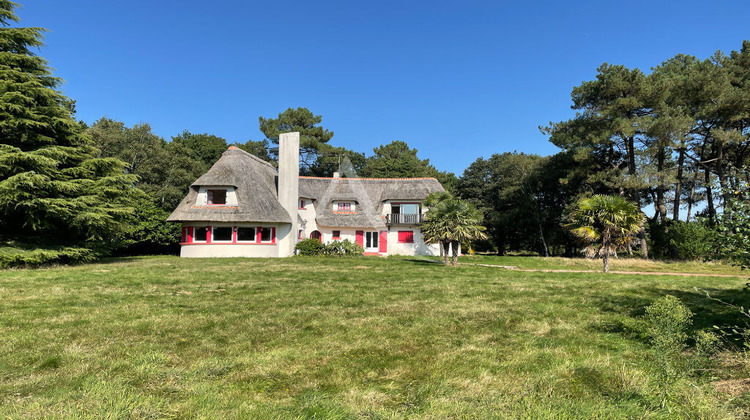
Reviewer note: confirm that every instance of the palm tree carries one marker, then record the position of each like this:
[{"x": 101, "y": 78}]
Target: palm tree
[
  {"x": 606, "y": 223},
  {"x": 450, "y": 222}
]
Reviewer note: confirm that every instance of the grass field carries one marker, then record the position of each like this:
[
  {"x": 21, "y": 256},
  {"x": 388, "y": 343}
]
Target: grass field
[{"x": 377, "y": 338}]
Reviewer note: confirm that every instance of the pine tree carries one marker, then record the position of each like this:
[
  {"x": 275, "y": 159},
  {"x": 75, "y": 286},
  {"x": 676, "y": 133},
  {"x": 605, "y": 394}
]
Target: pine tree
[{"x": 51, "y": 184}]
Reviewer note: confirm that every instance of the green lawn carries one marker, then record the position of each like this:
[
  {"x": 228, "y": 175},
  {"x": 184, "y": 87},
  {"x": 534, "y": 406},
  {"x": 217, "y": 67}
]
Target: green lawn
[{"x": 369, "y": 337}]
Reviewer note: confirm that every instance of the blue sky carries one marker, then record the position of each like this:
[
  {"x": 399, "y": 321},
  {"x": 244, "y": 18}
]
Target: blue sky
[{"x": 456, "y": 80}]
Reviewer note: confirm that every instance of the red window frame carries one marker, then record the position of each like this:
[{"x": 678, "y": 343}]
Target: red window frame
[
  {"x": 259, "y": 235},
  {"x": 210, "y": 195},
  {"x": 405, "y": 237},
  {"x": 343, "y": 206}
]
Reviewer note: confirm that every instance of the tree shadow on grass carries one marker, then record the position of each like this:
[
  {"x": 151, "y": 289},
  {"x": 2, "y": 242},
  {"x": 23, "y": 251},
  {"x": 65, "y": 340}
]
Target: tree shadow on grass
[{"x": 707, "y": 313}]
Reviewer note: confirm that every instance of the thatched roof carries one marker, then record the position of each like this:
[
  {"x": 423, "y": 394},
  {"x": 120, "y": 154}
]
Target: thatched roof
[
  {"x": 255, "y": 185},
  {"x": 368, "y": 193}
]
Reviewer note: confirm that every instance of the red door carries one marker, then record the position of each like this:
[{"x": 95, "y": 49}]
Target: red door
[{"x": 383, "y": 241}]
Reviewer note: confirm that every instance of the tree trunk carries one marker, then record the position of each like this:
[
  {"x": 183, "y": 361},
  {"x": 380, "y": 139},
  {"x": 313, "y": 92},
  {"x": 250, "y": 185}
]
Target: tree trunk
[
  {"x": 661, "y": 206},
  {"x": 678, "y": 186},
  {"x": 455, "y": 247},
  {"x": 544, "y": 243},
  {"x": 446, "y": 245},
  {"x": 605, "y": 260},
  {"x": 642, "y": 238},
  {"x": 710, "y": 197}
]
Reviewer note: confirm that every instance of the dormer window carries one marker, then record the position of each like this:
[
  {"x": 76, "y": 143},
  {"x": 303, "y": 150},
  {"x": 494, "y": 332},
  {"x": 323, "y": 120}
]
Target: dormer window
[
  {"x": 216, "y": 197},
  {"x": 345, "y": 206}
]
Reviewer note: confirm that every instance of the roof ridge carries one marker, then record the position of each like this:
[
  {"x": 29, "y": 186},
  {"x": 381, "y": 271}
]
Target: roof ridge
[{"x": 237, "y": 149}]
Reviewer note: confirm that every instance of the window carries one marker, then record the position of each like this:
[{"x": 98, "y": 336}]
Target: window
[
  {"x": 299, "y": 234},
  {"x": 266, "y": 234},
  {"x": 201, "y": 234},
  {"x": 216, "y": 197},
  {"x": 185, "y": 234},
  {"x": 405, "y": 209},
  {"x": 245, "y": 234},
  {"x": 222, "y": 234},
  {"x": 336, "y": 234},
  {"x": 301, "y": 204},
  {"x": 405, "y": 237},
  {"x": 343, "y": 206}
]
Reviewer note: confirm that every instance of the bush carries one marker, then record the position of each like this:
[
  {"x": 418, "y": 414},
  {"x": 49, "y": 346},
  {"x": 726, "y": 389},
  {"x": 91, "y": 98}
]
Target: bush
[
  {"x": 341, "y": 248},
  {"x": 693, "y": 241},
  {"x": 668, "y": 320},
  {"x": 309, "y": 247},
  {"x": 336, "y": 248},
  {"x": 17, "y": 255}
]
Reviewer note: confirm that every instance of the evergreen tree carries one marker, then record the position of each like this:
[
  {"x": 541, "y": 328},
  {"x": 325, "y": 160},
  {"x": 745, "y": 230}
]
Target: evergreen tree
[
  {"x": 52, "y": 185},
  {"x": 312, "y": 136}
]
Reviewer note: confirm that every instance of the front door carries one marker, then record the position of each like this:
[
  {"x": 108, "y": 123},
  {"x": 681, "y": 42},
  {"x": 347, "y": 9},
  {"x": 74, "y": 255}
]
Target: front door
[{"x": 371, "y": 241}]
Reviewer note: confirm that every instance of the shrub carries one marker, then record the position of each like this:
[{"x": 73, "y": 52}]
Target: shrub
[
  {"x": 341, "y": 248},
  {"x": 667, "y": 321},
  {"x": 16, "y": 255},
  {"x": 309, "y": 247},
  {"x": 692, "y": 241}
]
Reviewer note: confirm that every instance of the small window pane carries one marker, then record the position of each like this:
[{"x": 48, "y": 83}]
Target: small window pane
[
  {"x": 201, "y": 233},
  {"x": 336, "y": 234},
  {"x": 265, "y": 234},
  {"x": 246, "y": 234},
  {"x": 222, "y": 234},
  {"x": 217, "y": 196}
]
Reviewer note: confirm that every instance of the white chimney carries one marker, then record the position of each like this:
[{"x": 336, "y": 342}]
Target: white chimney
[{"x": 289, "y": 188}]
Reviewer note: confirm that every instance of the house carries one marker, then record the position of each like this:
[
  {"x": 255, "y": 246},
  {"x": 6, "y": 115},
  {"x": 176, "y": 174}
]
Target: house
[{"x": 244, "y": 207}]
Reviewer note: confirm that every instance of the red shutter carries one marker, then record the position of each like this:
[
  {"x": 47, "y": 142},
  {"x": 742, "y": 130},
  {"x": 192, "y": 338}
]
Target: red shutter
[
  {"x": 190, "y": 235},
  {"x": 360, "y": 238},
  {"x": 405, "y": 237},
  {"x": 234, "y": 234},
  {"x": 209, "y": 234},
  {"x": 273, "y": 235},
  {"x": 383, "y": 241}
]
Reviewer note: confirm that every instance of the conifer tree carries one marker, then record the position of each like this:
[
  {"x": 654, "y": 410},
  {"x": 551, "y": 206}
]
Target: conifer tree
[{"x": 51, "y": 184}]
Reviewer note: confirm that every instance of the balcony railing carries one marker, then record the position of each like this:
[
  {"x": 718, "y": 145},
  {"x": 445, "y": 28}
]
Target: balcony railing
[{"x": 403, "y": 219}]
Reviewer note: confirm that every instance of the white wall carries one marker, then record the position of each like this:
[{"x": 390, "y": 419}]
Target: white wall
[
  {"x": 229, "y": 250},
  {"x": 416, "y": 248}
]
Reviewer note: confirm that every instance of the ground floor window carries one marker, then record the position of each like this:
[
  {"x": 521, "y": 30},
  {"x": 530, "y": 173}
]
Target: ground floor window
[
  {"x": 222, "y": 234},
  {"x": 336, "y": 234},
  {"x": 315, "y": 235},
  {"x": 229, "y": 234},
  {"x": 245, "y": 234},
  {"x": 201, "y": 234}
]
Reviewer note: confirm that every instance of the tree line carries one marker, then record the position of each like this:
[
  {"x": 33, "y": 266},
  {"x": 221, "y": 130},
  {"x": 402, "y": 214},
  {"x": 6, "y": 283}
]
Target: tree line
[{"x": 675, "y": 140}]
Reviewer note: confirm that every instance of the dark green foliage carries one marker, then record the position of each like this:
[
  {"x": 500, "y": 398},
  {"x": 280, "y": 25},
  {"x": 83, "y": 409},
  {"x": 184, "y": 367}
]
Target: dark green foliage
[
  {"x": 693, "y": 241},
  {"x": 14, "y": 255},
  {"x": 149, "y": 232},
  {"x": 258, "y": 148},
  {"x": 522, "y": 199},
  {"x": 309, "y": 247},
  {"x": 205, "y": 147},
  {"x": 338, "y": 159},
  {"x": 343, "y": 248},
  {"x": 164, "y": 170},
  {"x": 734, "y": 228},
  {"x": 312, "y": 247},
  {"x": 52, "y": 184},
  {"x": 312, "y": 136}
]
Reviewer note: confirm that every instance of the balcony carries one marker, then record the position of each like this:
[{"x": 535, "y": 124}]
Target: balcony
[{"x": 403, "y": 219}]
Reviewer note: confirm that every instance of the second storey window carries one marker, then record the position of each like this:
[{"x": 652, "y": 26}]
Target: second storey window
[
  {"x": 216, "y": 197},
  {"x": 343, "y": 206}
]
